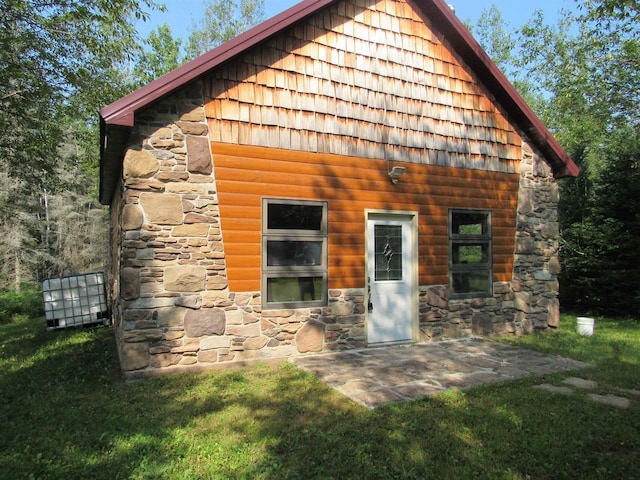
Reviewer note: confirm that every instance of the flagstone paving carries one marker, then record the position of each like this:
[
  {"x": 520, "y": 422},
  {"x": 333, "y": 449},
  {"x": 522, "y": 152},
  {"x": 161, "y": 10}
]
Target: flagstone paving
[
  {"x": 375, "y": 376},
  {"x": 582, "y": 384}
]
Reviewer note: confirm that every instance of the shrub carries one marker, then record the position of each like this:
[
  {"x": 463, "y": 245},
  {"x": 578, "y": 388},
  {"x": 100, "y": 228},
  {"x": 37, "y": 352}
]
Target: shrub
[{"x": 15, "y": 306}]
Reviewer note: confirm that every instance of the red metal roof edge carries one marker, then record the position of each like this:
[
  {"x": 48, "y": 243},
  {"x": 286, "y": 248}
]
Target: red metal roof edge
[
  {"x": 122, "y": 111},
  {"x": 474, "y": 55}
]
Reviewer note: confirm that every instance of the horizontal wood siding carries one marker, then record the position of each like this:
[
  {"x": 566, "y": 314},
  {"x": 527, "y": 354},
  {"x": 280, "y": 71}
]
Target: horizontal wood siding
[{"x": 245, "y": 175}]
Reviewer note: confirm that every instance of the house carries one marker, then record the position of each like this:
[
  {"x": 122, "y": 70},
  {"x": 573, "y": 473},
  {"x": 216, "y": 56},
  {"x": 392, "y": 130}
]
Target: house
[{"x": 350, "y": 173}]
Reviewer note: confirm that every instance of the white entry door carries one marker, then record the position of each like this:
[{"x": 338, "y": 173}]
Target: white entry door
[{"x": 390, "y": 278}]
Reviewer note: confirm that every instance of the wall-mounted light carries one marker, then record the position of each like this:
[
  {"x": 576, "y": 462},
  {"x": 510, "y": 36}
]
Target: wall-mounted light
[{"x": 395, "y": 174}]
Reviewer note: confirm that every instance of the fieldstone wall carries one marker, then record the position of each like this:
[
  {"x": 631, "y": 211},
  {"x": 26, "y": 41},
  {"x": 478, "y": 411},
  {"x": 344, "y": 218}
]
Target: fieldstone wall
[{"x": 536, "y": 266}]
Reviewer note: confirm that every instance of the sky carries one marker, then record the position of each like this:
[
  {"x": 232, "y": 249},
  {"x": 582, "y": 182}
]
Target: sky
[{"x": 181, "y": 15}]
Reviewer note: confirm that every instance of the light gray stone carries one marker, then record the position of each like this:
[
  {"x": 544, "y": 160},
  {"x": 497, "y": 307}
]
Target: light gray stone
[
  {"x": 191, "y": 301},
  {"x": 130, "y": 283},
  {"x": 132, "y": 217},
  {"x": 252, "y": 330},
  {"x": 613, "y": 400},
  {"x": 522, "y": 301},
  {"x": 543, "y": 275},
  {"x": 340, "y": 309},
  {"x": 554, "y": 313},
  {"x": 134, "y": 356},
  {"x": 162, "y": 208},
  {"x": 554, "y": 389},
  {"x": 481, "y": 324},
  {"x": 255, "y": 343},
  {"x": 554, "y": 266},
  {"x": 171, "y": 316},
  {"x": 139, "y": 164},
  {"x": 436, "y": 300},
  {"x": 185, "y": 278},
  {"x": 580, "y": 383},
  {"x": 234, "y": 317},
  {"x": 211, "y": 343},
  {"x": 192, "y": 230}
]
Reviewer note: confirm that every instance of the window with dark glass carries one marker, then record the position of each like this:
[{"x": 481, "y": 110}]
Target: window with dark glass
[
  {"x": 294, "y": 253},
  {"x": 470, "y": 253}
]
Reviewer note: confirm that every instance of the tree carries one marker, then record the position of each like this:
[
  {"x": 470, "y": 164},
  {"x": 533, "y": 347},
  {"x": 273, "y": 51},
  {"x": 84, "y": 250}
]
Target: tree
[
  {"x": 162, "y": 56},
  {"x": 600, "y": 214},
  {"x": 582, "y": 77},
  {"x": 53, "y": 51},
  {"x": 497, "y": 39},
  {"x": 222, "y": 21},
  {"x": 58, "y": 64}
]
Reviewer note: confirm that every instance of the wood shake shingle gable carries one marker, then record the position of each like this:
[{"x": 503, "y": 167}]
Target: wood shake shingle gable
[
  {"x": 404, "y": 97},
  {"x": 375, "y": 79}
]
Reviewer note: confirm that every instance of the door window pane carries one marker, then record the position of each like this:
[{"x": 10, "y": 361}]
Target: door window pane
[{"x": 388, "y": 252}]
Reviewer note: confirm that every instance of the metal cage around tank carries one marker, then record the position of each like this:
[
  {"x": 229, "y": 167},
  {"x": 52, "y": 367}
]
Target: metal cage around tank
[{"x": 74, "y": 301}]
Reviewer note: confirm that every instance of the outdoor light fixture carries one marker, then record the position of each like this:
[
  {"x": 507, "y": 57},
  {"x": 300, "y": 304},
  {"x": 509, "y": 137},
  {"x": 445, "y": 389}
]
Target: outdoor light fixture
[{"x": 395, "y": 174}]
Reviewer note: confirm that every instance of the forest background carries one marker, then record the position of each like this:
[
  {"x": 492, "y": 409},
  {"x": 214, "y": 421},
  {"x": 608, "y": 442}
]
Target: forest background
[{"x": 63, "y": 60}]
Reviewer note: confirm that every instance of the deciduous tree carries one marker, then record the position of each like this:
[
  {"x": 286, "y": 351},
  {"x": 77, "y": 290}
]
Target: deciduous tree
[
  {"x": 582, "y": 76},
  {"x": 221, "y": 21}
]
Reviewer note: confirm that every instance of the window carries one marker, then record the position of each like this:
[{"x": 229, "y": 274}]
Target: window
[
  {"x": 388, "y": 252},
  {"x": 294, "y": 253},
  {"x": 470, "y": 253}
]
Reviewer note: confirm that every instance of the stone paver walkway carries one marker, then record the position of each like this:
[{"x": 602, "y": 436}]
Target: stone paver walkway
[
  {"x": 582, "y": 384},
  {"x": 376, "y": 376}
]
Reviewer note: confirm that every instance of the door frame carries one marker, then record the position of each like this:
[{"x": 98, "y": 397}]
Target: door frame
[{"x": 370, "y": 214}]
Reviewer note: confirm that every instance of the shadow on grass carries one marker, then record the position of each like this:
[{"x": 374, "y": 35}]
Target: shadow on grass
[
  {"x": 64, "y": 416},
  {"x": 613, "y": 348}
]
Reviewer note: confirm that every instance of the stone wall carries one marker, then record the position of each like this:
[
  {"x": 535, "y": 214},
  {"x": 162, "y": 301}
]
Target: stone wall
[
  {"x": 172, "y": 305},
  {"x": 536, "y": 265}
]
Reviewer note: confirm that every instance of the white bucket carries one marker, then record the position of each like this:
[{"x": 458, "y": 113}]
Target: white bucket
[{"x": 585, "y": 326}]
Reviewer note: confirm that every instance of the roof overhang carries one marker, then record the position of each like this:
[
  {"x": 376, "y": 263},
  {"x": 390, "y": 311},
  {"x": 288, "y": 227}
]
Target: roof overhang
[{"x": 117, "y": 119}]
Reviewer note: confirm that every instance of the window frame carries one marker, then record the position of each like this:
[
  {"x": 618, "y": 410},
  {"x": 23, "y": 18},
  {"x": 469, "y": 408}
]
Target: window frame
[
  {"x": 293, "y": 271},
  {"x": 485, "y": 240}
]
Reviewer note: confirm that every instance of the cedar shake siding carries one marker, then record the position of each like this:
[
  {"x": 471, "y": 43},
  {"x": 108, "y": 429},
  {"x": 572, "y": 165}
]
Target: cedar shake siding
[
  {"x": 315, "y": 107},
  {"x": 357, "y": 87}
]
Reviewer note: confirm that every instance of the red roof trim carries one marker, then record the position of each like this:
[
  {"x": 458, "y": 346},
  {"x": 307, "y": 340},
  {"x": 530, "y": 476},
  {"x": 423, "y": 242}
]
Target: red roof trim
[{"x": 122, "y": 111}]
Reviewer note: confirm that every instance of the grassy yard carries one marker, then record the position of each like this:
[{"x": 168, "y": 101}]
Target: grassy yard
[{"x": 66, "y": 414}]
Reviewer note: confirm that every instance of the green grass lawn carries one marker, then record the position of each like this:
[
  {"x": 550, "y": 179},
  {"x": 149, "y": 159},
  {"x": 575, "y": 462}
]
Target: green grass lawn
[{"x": 66, "y": 414}]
